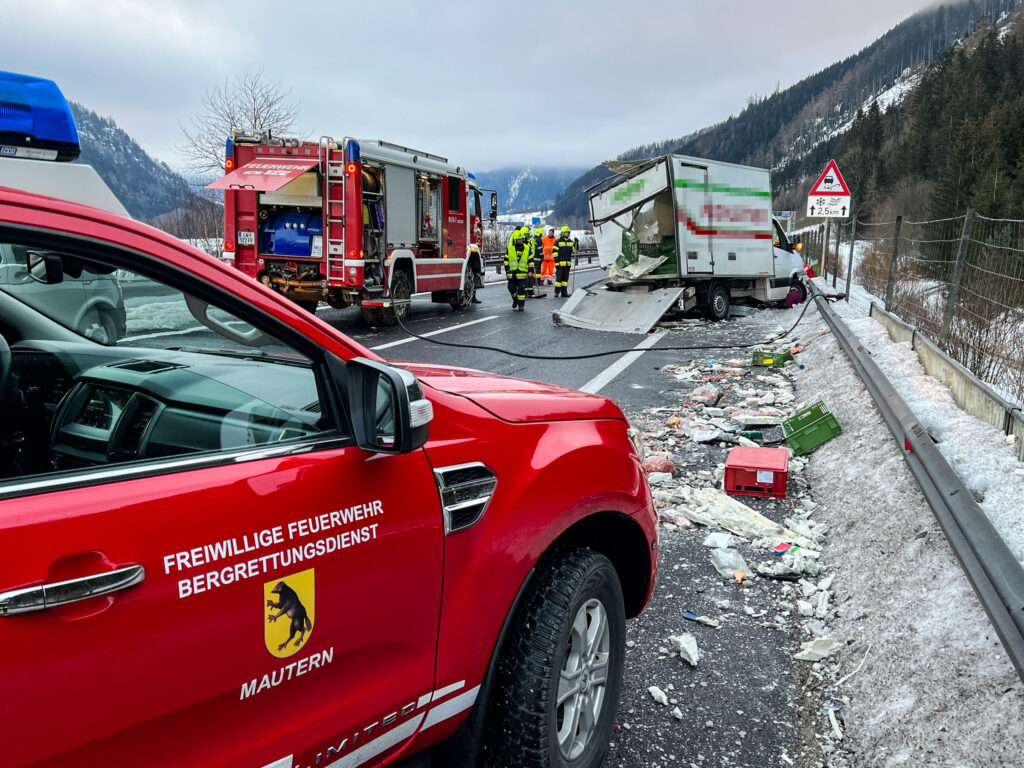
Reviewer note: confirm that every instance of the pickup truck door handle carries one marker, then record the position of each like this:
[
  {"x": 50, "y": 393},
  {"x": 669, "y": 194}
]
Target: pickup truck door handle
[{"x": 43, "y": 596}]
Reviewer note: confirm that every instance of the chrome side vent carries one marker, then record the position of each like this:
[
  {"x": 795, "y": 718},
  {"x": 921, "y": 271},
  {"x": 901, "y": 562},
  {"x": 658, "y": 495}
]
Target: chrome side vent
[{"x": 466, "y": 490}]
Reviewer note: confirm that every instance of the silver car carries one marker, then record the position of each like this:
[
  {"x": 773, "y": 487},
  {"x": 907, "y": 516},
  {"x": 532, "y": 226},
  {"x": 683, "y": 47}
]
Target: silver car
[{"x": 88, "y": 302}]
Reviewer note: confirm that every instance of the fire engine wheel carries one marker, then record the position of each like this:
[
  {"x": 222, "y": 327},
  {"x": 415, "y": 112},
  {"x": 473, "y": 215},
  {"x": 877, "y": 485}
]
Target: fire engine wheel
[
  {"x": 718, "y": 302},
  {"x": 401, "y": 291},
  {"x": 309, "y": 306},
  {"x": 464, "y": 298},
  {"x": 562, "y": 671}
]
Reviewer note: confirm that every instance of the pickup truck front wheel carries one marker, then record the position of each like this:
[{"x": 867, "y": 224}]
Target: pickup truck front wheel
[{"x": 561, "y": 676}]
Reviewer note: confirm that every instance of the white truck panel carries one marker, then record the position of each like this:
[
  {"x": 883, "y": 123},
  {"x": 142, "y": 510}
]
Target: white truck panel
[
  {"x": 724, "y": 218},
  {"x": 613, "y": 207}
]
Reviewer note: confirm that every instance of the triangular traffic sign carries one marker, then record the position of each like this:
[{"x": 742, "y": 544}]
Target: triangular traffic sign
[{"x": 831, "y": 182}]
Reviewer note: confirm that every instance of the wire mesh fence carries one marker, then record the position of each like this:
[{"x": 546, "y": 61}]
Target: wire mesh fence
[{"x": 959, "y": 281}]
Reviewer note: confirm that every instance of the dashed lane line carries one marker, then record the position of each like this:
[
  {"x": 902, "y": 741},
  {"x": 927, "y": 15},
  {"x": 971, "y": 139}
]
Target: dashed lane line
[{"x": 606, "y": 376}]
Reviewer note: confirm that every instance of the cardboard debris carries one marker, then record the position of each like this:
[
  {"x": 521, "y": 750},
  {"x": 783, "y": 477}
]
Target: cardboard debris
[
  {"x": 711, "y": 507},
  {"x": 686, "y": 646},
  {"x": 817, "y": 649}
]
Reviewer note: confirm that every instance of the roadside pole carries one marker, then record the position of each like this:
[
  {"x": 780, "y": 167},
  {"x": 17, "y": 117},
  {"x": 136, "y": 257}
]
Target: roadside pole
[
  {"x": 839, "y": 242},
  {"x": 849, "y": 261},
  {"x": 958, "y": 273},
  {"x": 892, "y": 264},
  {"x": 824, "y": 250}
]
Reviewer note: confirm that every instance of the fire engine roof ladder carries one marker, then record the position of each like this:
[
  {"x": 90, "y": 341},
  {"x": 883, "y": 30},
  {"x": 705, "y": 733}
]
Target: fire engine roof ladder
[{"x": 334, "y": 224}]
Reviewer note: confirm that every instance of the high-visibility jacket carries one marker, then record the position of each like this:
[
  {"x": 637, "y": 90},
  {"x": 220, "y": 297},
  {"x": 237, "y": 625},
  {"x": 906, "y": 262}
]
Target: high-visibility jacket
[
  {"x": 563, "y": 252},
  {"x": 517, "y": 257},
  {"x": 549, "y": 245}
]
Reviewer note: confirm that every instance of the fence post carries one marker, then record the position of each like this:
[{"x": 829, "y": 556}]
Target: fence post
[
  {"x": 958, "y": 273},
  {"x": 849, "y": 261},
  {"x": 892, "y": 264}
]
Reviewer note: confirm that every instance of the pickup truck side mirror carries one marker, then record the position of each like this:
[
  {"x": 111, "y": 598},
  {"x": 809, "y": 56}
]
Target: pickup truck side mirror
[
  {"x": 44, "y": 267},
  {"x": 389, "y": 412}
]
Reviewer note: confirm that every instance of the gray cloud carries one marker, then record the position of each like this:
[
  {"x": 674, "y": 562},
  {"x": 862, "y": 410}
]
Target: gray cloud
[{"x": 542, "y": 83}]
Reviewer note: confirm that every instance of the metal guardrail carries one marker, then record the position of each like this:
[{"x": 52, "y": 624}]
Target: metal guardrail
[
  {"x": 995, "y": 574},
  {"x": 496, "y": 258}
]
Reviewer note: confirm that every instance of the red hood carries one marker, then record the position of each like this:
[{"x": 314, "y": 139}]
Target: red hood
[{"x": 515, "y": 399}]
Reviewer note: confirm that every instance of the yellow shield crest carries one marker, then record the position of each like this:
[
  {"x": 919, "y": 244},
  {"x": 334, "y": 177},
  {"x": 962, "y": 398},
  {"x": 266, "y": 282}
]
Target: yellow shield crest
[{"x": 288, "y": 610}]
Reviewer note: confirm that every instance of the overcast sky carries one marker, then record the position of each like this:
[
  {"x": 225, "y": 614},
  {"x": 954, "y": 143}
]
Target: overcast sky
[{"x": 486, "y": 84}]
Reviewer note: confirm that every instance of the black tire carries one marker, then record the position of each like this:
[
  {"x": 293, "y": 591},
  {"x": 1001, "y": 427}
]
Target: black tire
[
  {"x": 310, "y": 306},
  {"x": 464, "y": 298},
  {"x": 371, "y": 316},
  {"x": 401, "y": 290},
  {"x": 718, "y": 302},
  {"x": 547, "y": 649},
  {"x": 100, "y": 327}
]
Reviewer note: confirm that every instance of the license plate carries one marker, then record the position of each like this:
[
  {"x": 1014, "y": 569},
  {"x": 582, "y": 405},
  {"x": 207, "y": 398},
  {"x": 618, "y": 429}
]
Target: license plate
[{"x": 247, "y": 237}]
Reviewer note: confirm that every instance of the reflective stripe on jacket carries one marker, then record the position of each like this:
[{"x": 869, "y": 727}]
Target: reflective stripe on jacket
[{"x": 563, "y": 252}]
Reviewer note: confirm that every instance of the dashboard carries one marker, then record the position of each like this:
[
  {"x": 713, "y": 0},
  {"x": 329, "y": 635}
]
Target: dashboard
[{"x": 85, "y": 405}]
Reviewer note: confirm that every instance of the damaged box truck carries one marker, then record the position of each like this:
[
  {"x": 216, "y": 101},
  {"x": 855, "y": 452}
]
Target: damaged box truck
[{"x": 676, "y": 233}]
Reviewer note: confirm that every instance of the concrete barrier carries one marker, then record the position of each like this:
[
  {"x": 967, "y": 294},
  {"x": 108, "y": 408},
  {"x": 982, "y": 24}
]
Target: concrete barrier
[{"x": 969, "y": 392}]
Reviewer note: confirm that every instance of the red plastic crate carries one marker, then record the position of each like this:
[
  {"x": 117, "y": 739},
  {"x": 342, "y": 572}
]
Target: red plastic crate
[{"x": 757, "y": 472}]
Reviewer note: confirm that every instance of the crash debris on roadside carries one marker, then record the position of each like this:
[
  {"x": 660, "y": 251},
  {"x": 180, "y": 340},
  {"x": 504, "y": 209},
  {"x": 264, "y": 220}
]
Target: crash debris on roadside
[{"x": 750, "y": 403}]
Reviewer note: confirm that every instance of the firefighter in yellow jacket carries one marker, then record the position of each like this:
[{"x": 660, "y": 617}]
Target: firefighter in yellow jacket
[
  {"x": 518, "y": 265},
  {"x": 563, "y": 251}
]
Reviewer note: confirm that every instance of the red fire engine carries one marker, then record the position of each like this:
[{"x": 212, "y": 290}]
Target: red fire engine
[{"x": 367, "y": 223}]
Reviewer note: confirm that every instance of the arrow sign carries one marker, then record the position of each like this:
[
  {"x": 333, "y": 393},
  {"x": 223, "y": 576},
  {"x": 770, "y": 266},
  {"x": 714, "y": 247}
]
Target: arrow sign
[{"x": 831, "y": 182}]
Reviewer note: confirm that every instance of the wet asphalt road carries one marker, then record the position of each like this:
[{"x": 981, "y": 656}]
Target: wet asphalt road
[{"x": 740, "y": 705}]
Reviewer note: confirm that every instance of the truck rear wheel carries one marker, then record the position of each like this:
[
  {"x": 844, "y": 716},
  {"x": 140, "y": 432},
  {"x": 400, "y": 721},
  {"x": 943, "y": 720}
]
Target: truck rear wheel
[
  {"x": 308, "y": 305},
  {"x": 401, "y": 291},
  {"x": 561, "y": 674},
  {"x": 718, "y": 302},
  {"x": 463, "y": 298}
]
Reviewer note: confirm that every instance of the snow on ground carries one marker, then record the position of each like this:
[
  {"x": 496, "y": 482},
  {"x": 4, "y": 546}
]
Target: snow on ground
[{"x": 936, "y": 687}]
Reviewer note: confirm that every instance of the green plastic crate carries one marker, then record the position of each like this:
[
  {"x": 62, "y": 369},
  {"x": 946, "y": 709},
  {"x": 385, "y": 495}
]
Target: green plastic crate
[
  {"x": 630, "y": 249},
  {"x": 810, "y": 428},
  {"x": 773, "y": 358}
]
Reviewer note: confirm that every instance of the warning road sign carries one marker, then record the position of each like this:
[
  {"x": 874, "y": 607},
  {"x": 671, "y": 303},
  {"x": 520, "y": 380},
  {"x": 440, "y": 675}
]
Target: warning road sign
[
  {"x": 831, "y": 182},
  {"x": 829, "y": 197}
]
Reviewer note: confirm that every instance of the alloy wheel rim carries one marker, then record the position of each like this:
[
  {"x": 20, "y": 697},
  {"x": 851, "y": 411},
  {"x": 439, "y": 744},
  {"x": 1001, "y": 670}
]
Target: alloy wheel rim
[{"x": 582, "y": 679}]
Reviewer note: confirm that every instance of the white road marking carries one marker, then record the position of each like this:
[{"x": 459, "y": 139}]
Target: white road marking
[
  {"x": 602, "y": 379},
  {"x": 434, "y": 333}
]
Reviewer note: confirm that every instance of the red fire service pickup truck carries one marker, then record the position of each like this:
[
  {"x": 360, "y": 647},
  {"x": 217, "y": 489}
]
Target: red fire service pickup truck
[{"x": 232, "y": 536}]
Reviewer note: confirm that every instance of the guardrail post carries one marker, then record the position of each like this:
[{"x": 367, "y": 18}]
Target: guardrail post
[
  {"x": 849, "y": 261},
  {"x": 892, "y": 264},
  {"x": 958, "y": 273}
]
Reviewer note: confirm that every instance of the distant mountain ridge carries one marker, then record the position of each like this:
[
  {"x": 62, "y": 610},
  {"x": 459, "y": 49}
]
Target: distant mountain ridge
[
  {"x": 795, "y": 131},
  {"x": 527, "y": 189},
  {"x": 146, "y": 187}
]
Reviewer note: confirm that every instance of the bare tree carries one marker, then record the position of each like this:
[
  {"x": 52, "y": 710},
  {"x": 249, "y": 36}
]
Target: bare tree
[{"x": 247, "y": 102}]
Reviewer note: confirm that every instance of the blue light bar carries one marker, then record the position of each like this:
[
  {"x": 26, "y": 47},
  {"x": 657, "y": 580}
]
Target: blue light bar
[
  {"x": 352, "y": 151},
  {"x": 472, "y": 176},
  {"x": 229, "y": 149},
  {"x": 35, "y": 120}
]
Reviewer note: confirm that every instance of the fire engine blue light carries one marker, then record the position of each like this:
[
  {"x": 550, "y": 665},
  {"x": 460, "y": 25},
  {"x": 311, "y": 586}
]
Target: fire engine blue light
[
  {"x": 228, "y": 147},
  {"x": 35, "y": 120},
  {"x": 472, "y": 176},
  {"x": 352, "y": 151}
]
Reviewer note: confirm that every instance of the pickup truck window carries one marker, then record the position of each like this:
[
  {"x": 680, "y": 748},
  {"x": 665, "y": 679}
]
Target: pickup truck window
[{"x": 156, "y": 373}]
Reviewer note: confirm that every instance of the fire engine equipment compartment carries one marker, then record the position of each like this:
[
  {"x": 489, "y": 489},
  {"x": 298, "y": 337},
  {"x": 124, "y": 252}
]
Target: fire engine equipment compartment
[{"x": 292, "y": 233}]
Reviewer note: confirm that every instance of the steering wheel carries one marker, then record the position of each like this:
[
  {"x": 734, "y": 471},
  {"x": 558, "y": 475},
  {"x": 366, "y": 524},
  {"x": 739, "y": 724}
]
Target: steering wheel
[{"x": 5, "y": 364}]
